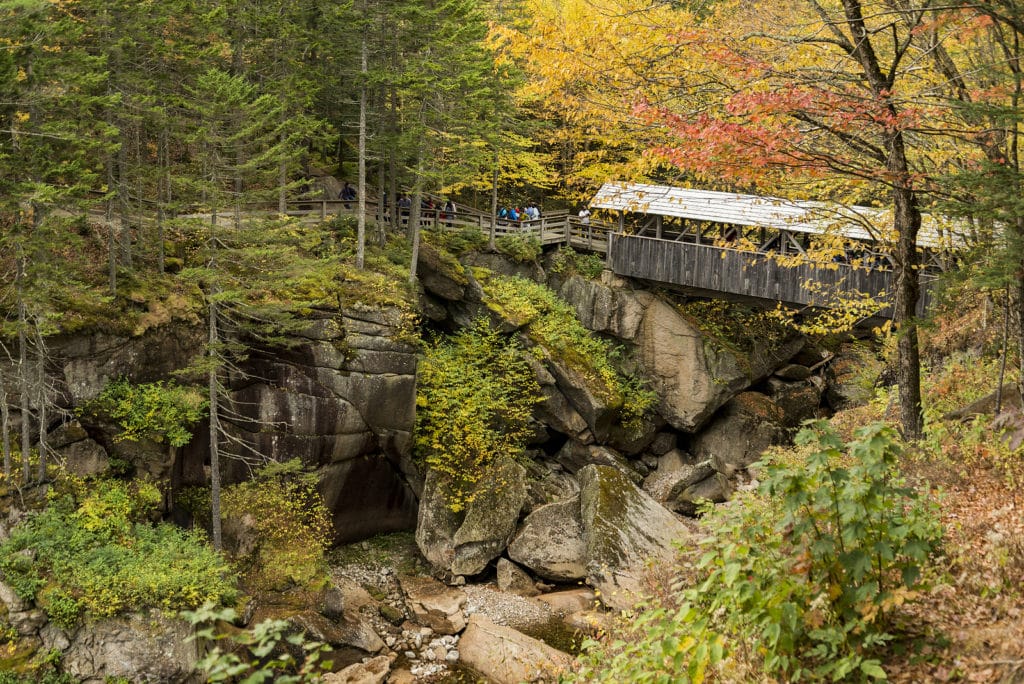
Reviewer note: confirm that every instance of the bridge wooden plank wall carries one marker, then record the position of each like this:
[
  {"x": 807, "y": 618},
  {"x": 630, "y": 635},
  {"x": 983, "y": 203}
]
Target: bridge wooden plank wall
[{"x": 748, "y": 274}]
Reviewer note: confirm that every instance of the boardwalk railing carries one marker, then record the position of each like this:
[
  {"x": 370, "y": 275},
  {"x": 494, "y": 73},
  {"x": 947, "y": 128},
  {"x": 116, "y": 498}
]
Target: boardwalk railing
[{"x": 705, "y": 268}]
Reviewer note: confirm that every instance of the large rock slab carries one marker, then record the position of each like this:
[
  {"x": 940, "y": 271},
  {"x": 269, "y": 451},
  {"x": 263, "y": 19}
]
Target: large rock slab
[
  {"x": 504, "y": 656},
  {"x": 514, "y": 580},
  {"x": 577, "y": 390},
  {"x": 624, "y": 530},
  {"x": 692, "y": 375},
  {"x": 556, "y": 411},
  {"x": 550, "y": 542},
  {"x": 350, "y": 630},
  {"x": 434, "y": 605},
  {"x": 573, "y": 456},
  {"x": 136, "y": 648},
  {"x": 850, "y": 377},
  {"x": 373, "y": 671},
  {"x": 745, "y": 428},
  {"x": 798, "y": 400},
  {"x": 464, "y": 542},
  {"x": 440, "y": 276},
  {"x": 606, "y": 306},
  {"x": 676, "y": 471}
]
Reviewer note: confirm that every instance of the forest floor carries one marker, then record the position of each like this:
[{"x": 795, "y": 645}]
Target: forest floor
[{"x": 971, "y": 622}]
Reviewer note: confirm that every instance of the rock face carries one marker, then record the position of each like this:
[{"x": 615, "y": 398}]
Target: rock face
[
  {"x": 505, "y": 656},
  {"x": 624, "y": 528},
  {"x": 137, "y": 648},
  {"x": 693, "y": 378},
  {"x": 550, "y": 542},
  {"x": 343, "y": 402},
  {"x": 608, "y": 306},
  {"x": 747, "y": 425},
  {"x": 464, "y": 543}
]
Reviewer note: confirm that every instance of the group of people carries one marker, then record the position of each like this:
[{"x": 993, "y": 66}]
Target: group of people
[{"x": 515, "y": 214}]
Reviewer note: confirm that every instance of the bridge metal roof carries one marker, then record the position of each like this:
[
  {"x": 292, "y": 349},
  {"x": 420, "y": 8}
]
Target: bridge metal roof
[{"x": 859, "y": 223}]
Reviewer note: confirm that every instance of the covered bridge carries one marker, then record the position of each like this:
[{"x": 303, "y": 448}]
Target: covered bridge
[{"x": 803, "y": 254}]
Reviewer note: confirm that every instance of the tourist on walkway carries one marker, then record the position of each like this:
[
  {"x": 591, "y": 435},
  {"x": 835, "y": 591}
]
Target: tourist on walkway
[
  {"x": 449, "y": 213},
  {"x": 584, "y": 216},
  {"x": 348, "y": 193},
  {"x": 404, "y": 207}
]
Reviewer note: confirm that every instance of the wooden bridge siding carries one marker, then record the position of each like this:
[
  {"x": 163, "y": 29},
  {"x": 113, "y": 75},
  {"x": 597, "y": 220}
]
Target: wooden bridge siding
[{"x": 745, "y": 274}]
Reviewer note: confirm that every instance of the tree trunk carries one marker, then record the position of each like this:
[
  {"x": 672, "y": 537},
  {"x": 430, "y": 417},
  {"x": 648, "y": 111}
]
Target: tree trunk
[
  {"x": 361, "y": 180},
  {"x": 414, "y": 216},
  {"x": 42, "y": 403},
  {"x": 494, "y": 203},
  {"x": 23, "y": 383},
  {"x": 282, "y": 180},
  {"x": 112, "y": 235},
  {"x": 163, "y": 195},
  {"x": 213, "y": 397},
  {"x": 382, "y": 200},
  {"x": 5, "y": 426},
  {"x": 907, "y": 223}
]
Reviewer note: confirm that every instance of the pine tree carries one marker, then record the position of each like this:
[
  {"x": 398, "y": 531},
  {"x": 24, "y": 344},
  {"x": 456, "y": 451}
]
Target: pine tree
[{"x": 249, "y": 256}]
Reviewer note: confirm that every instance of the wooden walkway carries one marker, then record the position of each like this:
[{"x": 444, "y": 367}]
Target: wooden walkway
[{"x": 704, "y": 269}]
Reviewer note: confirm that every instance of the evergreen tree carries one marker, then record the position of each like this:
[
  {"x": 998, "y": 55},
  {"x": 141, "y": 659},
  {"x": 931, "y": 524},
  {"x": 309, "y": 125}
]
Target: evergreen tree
[
  {"x": 52, "y": 99},
  {"x": 249, "y": 256}
]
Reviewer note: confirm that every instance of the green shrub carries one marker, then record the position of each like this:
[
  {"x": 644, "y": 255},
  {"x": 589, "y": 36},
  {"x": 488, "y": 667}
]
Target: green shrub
[
  {"x": 552, "y": 324},
  {"x": 736, "y": 327},
  {"x": 292, "y": 525},
  {"x": 799, "y": 584},
  {"x": 567, "y": 261},
  {"x": 158, "y": 411},
  {"x": 523, "y": 249},
  {"x": 459, "y": 241},
  {"x": 475, "y": 398},
  {"x": 270, "y": 651},
  {"x": 92, "y": 551}
]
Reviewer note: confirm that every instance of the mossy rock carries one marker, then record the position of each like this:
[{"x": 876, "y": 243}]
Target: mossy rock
[
  {"x": 16, "y": 656},
  {"x": 624, "y": 530}
]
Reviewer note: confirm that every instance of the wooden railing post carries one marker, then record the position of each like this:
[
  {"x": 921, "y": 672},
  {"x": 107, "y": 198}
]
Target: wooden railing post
[{"x": 323, "y": 210}]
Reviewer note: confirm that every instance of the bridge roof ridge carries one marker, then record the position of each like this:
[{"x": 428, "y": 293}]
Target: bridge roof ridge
[{"x": 853, "y": 221}]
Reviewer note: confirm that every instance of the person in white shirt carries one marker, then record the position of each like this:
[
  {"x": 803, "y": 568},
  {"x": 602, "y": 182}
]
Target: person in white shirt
[{"x": 585, "y": 216}]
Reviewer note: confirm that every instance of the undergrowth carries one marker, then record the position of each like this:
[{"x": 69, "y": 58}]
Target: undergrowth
[
  {"x": 797, "y": 584},
  {"x": 93, "y": 551},
  {"x": 475, "y": 398},
  {"x": 552, "y": 324}
]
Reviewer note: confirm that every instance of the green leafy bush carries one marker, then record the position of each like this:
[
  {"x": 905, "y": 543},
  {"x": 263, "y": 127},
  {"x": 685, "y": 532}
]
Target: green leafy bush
[
  {"x": 523, "y": 249},
  {"x": 272, "y": 650},
  {"x": 292, "y": 526},
  {"x": 567, "y": 261},
  {"x": 93, "y": 551},
  {"x": 458, "y": 241},
  {"x": 736, "y": 327},
  {"x": 475, "y": 397},
  {"x": 552, "y": 324},
  {"x": 157, "y": 410},
  {"x": 798, "y": 584}
]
